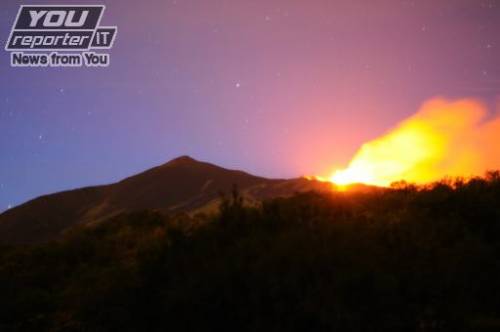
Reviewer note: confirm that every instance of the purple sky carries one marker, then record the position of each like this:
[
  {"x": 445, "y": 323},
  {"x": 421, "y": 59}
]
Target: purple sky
[{"x": 278, "y": 88}]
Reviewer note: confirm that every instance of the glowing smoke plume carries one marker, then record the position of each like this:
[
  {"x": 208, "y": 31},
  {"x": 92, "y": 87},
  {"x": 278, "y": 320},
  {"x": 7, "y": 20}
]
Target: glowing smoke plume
[{"x": 442, "y": 139}]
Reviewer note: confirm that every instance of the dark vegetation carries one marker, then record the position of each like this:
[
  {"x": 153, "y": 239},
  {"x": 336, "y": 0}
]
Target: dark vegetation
[{"x": 404, "y": 259}]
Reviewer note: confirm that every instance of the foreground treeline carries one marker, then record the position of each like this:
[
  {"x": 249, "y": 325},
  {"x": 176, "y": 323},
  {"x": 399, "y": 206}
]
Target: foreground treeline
[{"x": 405, "y": 259}]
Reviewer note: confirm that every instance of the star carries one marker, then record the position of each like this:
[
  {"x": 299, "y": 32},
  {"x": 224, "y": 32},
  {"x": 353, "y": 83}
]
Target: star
[{"x": 237, "y": 85}]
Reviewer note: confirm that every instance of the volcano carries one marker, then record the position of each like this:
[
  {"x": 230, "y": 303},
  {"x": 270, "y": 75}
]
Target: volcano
[{"x": 182, "y": 185}]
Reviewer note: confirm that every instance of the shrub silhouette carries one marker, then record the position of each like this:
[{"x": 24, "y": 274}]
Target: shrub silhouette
[{"x": 406, "y": 258}]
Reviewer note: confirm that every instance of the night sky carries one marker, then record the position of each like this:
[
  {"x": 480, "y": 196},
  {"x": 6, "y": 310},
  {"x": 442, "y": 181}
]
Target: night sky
[{"x": 273, "y": 87}]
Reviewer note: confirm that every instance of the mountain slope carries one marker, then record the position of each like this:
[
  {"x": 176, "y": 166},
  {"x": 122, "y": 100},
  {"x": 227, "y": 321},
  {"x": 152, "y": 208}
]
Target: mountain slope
[{"x": 181, "y": 185}]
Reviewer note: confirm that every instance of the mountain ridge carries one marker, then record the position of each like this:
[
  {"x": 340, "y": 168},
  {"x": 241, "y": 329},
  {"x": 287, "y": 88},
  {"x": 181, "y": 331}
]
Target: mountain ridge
[{"x": 181, "y": 185}]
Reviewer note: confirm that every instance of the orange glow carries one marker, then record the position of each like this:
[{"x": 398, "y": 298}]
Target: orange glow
[{"x": 442, "y": 139}]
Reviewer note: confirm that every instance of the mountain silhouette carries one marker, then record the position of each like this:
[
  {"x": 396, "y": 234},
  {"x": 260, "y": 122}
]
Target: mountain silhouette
[{"x": 180, "y": 185}]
